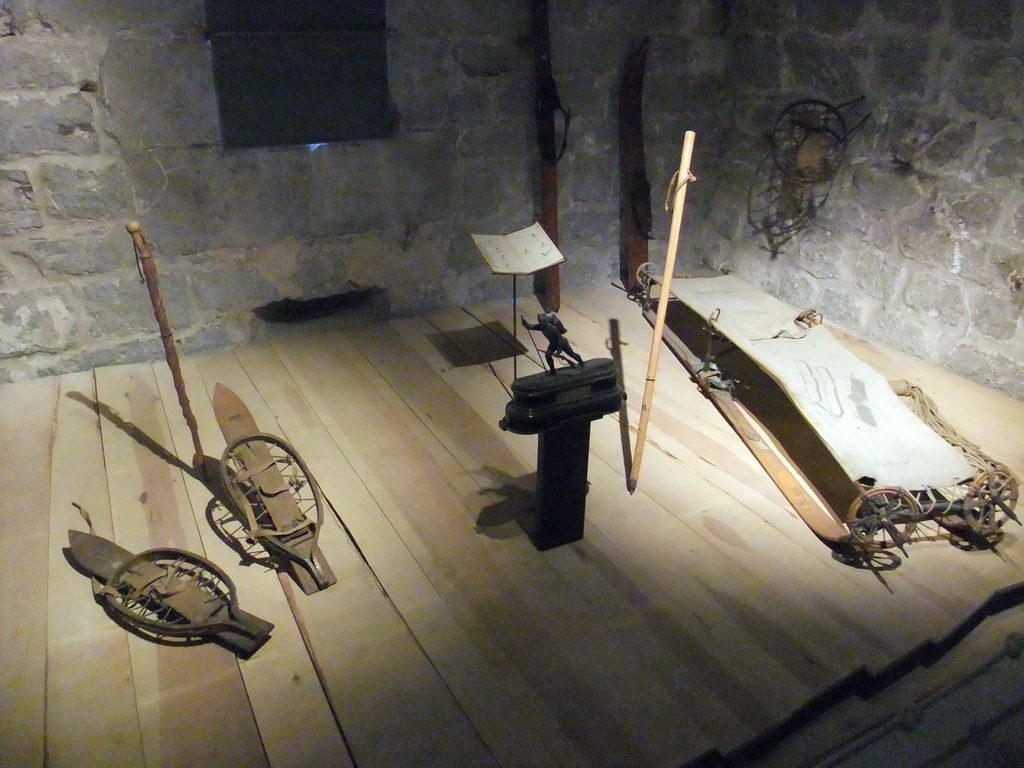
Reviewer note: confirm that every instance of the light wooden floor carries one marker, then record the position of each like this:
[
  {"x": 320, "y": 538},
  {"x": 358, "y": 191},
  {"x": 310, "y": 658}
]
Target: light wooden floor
[{"x": 695, "y": 616}]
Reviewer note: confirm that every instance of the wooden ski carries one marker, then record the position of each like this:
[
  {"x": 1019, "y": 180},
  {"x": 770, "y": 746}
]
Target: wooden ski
[
  {"x": 547, "y": 282},
  {"x": 635, "y": 220}
]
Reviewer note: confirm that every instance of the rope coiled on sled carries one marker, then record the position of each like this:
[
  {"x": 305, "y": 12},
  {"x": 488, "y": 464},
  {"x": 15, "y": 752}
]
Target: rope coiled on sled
[{"x": 924, "y": 407}]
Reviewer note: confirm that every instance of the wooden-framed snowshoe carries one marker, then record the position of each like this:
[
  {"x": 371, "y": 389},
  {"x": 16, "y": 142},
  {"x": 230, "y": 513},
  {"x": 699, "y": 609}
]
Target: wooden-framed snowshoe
[
  {"x": 168, "y": 595},
  {"x": 272, "y": 493}
]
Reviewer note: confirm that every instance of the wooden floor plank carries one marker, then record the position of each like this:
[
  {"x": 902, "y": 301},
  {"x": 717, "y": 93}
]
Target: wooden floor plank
[
  {"x": 694, "y": 614},
  {"x": 192, "y": 702},
  {"x": 552, "y": 640},
  {"x": 294, "y": 717},
  {"x": 511, "y": 468},
  {"x": 26, "y": 425},
  {"x": 728, "y": 662},
  {"x": 472, "y": 439},
  {"x": 91, "y": 716},
  {"x": 695, "y": 485},
  {"x": 392, "y": 705},
  {"x": 490, "y": 696}
]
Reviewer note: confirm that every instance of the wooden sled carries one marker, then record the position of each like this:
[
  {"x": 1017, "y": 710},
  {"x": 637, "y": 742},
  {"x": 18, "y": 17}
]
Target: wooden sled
[
  {"x": 273, "y": 494},
  {"x": 858, "y": 466}
]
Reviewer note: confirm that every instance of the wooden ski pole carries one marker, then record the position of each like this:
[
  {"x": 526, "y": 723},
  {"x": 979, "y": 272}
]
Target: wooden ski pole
[
  {"x": 145, "y": 257},
  {"x": 678, "y": 198}
]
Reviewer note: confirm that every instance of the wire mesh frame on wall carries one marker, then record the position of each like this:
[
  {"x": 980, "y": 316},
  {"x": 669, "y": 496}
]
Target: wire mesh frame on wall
[
  {"x": 806, "y": 147},
  {"x": 294, "y": 72}
]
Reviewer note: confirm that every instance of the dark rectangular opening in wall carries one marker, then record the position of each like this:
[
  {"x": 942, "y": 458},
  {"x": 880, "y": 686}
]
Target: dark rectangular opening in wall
[{"x": 295, "y": 72}]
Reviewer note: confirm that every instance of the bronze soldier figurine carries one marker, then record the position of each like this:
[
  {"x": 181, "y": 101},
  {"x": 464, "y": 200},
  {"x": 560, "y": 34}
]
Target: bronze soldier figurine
[{"x": 554, "y": 332}]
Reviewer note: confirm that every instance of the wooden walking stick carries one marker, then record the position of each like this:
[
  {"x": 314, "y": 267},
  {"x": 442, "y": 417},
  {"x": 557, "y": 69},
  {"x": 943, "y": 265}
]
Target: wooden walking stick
[
  {"x": 148, "y": 265},
  {"x": 678, "y": 198}
]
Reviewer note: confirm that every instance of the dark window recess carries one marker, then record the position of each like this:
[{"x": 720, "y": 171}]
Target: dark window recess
[
  {"x": 299, "y": 73},
  {"x": 293, "y": 15}
]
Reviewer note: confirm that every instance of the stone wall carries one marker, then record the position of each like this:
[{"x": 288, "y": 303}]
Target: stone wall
[
  {"x": 920, "y": 244},
  {"x": 108, "y": 113}
]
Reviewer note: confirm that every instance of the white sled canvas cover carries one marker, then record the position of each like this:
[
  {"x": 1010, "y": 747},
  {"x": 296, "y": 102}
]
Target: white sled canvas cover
[{"x": 850, "y": 405}]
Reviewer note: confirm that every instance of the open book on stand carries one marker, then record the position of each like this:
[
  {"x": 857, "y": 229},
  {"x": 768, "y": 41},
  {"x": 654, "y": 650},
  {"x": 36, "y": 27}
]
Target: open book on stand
[{"x": 519, "y": 253}]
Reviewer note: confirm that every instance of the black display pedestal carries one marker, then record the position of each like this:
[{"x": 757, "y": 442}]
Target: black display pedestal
[
  {"x": 559, "y": 407},
  {"x": 563, "y": 453}
]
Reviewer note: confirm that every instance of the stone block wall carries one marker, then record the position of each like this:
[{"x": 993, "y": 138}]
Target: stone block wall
[
  {"x": 920, "y": 244},
  {"x": 108, "y": 113}
]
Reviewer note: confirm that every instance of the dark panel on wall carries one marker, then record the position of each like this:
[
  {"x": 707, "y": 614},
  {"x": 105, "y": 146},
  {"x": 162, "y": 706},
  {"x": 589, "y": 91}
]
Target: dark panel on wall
[
  {"x": 293, "y": 15},
  {"x": 299, "y": 73}
]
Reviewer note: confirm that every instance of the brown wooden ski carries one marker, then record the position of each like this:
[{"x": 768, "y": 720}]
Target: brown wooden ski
[
  {"x": 547, "y": 282},
  {"x": 635, "y": 220}
]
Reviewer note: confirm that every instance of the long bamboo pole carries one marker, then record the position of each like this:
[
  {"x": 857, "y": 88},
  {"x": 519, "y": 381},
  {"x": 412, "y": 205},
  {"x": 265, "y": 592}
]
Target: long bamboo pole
[
  {"x": 166, "y": 336},
  {"x": 678, "y": 201}
]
